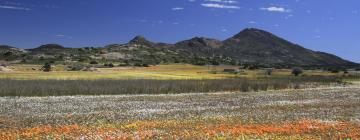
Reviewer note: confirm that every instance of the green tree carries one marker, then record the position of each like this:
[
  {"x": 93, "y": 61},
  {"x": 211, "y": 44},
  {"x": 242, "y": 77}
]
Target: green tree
[
  {"x": 46, "y": 67},
  {"x": 297, "y": 71}
]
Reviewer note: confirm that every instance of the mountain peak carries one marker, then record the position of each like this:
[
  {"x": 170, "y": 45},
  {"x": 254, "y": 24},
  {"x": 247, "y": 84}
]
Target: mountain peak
[
  {"x": 201, "y": 42},
  {"x": 252, "y": 32},
  {"x": 141, "y": 40},
  {"x": 50, "y": 47}
]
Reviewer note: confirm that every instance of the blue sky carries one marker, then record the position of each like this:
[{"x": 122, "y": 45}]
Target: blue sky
[{"x": 323, "y": 25}]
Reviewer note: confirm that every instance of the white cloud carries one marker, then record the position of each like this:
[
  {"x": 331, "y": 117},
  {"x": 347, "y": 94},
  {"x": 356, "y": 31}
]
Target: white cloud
[
  {"x": 252, "y": 22},
  {"x": 63, "y": 36},
  {"x": 177, "y": 9},
  {"x": 222, "y": 6},
  {"x": 14, "y": 7},
  {"x": 276, "y": 9},
  {"x": 223, "y": 1}
]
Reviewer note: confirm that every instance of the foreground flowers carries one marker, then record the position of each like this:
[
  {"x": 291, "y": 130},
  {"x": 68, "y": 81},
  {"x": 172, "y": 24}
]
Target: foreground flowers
[
  {"x": 172, "y": 129},
  {"x": 326, "y": 113}
]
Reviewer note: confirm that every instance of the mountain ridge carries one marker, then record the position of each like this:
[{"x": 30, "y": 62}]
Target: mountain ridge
[{"x": 250, "y": 46}]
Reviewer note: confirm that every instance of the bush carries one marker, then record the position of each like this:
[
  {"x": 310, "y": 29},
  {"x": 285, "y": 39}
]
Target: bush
[
  {"x": 250, "y": 66},
  {"x": 76, "y": 67},
  {"x": 8, "y": 53},
  {"x": 124, "y": 65},
  {"x": 145, "y": 65},
  {"x": 297, "y": 71},
  {"x": 200, "y": 63},
  {"x": 109, "y": 65},
  {"x": 46, "y": 67},
  {"x": 357, "y": 69},
  {"x": 268, "y": 72},
  {"x": 335, "y": 71},
  {"x": 93, "y": 62},
  {"x": 216, "y": 63}
]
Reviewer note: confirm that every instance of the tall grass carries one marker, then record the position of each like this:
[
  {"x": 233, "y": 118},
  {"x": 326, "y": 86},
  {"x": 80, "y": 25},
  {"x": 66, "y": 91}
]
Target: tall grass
[{"x": 10, "y": 87}]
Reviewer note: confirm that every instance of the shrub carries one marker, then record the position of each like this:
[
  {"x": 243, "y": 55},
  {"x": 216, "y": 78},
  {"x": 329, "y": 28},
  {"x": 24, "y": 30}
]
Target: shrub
[
  {"x": 200, "y": 63},
  {"x": 8, "y": 53},
  {"x": 83, "y": 59},
  {"x": 268, "y": 72},
  {"x": 250, "y": 66},
  {"x": 213, "y": 72},
  {"x": 124, "y": 64},
  {"x": 335, "y": 71},
  {"x": 234, "y": 63},
  {"x": 76, "y": 67},
  {"x": 216, "y": 63},
  {"x": 109, "y": 65},
  {"x": 93, "y": 62},
  {"x": 145, "y": 65},
  {"x": 297, "y": 71},
  {"x": 137, "y": 65},
  {"x": 46, "y": 67},
  {"x": 357, "y": 69}
]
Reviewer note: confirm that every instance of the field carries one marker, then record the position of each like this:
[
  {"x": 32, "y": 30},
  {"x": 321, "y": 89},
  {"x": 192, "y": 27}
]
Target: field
[
  {"x": 177, "y": 102},
  {"x": 328, "y": 113},
  {"x": 161, "y": 72}
]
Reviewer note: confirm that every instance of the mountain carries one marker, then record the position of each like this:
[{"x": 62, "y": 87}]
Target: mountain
[
  {"x": 200, "y": 42},
  {"x": 258, "y": 46},
  {"x": 3, "y": 47},
  {"x": 49, "y": 47},
  {"x": 9, "y": 48},
  {"x": 10, "y": 53},
  {"x": 250, "y": 46},
  {"x": 198, "y": 46},
  {"x": 140, "y": 40}
]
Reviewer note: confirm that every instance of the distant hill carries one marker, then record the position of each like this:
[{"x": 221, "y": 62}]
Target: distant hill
[
  {"x": 249, "y": 47},
  {"x": 48, "y": 47},
  {"x": 258, "y": 46}
]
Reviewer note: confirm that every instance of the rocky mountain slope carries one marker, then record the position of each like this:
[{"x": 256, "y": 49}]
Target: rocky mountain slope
[{"x": 251, "y": 47}]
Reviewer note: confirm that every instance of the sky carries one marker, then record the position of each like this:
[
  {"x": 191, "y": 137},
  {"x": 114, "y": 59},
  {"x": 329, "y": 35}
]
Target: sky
[{"x": 331, "y": 26}]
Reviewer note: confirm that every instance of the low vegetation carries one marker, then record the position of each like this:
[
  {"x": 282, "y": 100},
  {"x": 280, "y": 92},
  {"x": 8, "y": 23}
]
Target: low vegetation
[
  {"x": 116, "y": 87},
  {"x": 81, "y": 101}
]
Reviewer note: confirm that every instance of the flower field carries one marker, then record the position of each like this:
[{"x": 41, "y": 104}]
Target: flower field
[{"x": 318, "y": 113}]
